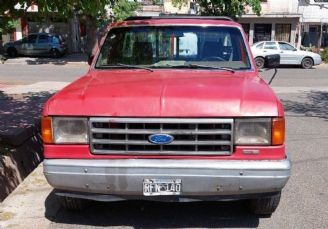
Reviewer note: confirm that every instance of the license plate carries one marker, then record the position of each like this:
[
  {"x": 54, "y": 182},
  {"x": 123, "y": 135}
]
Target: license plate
[{"x": 162, "y": 187}]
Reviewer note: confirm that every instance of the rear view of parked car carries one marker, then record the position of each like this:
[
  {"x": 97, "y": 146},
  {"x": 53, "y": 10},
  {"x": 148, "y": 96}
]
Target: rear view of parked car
[
  {"x": 289, "y": 55},
  {"x": 37, "y": 44}
]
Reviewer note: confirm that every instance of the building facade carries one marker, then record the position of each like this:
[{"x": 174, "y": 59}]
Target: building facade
[
  {"x": 279, "y": 20},
  {"x": 314, "y": 22},
  {"x": 300, "y": 22}
]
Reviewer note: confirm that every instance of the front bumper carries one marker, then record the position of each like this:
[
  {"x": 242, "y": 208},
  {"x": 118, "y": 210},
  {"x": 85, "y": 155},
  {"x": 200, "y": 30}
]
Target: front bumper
[
  {"x": 123, "y": 179},
  {"x": 317, "y": 60}
]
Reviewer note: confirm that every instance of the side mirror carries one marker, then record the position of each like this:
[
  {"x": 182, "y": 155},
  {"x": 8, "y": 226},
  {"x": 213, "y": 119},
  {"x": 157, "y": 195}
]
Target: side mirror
[
  {"x": 272, "y": 61},
  {"x": 90, "y": 59}
]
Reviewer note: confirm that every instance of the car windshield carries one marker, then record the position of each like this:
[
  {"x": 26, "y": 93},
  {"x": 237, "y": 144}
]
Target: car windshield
[{"x": 174, "y": 47}]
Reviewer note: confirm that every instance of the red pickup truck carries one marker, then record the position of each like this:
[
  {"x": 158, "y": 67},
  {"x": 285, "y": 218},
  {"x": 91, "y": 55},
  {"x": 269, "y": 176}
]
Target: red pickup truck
[{"x": 171, "y": 109}]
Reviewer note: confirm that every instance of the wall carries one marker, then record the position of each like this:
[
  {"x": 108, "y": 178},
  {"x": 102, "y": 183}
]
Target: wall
[
  {"x": 169, "y": 8},
  {"x": 293, "y": 21},
  {"x": 313, "y": 13}
]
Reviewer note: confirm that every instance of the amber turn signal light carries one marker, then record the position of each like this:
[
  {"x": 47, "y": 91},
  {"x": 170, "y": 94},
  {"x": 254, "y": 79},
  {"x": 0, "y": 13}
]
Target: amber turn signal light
[
  {"x": 46, "y": 130},
  {"x": 278, "y": 131}
]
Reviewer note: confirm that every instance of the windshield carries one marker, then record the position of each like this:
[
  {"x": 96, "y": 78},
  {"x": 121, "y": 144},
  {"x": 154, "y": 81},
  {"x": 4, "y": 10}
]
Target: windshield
[{"x": 174, "y": 47}]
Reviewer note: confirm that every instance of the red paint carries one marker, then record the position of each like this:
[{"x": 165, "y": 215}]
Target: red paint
[
  {"x": 167, "y": 93},
  {"x": 83, "y": 152},
  {"x": 24, "y": 26},
  {"x": 13, "y": 36},
  {"x": 177, "y": 22}
]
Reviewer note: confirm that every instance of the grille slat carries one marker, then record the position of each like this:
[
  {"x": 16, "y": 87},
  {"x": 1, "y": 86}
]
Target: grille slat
[
  {"x": 191, "y": 136},
  {"x": 132, "y": 142},
  {"x": 152, "y": 131}
]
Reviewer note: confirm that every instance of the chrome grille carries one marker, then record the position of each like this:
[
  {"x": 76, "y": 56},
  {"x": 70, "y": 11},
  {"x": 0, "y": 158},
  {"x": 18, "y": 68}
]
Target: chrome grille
[{"x": 191, "y": 136}]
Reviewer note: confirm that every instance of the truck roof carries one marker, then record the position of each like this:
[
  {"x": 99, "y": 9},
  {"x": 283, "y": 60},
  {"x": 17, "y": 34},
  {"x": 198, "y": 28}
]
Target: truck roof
[{"x": 176, "y": 20}]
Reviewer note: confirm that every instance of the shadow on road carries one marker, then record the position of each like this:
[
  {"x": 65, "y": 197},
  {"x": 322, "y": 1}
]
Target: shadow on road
[
  {"x": 18, "y": 113},
  {"x": 314, "y": 105},
  {"x": 144, "y": 214}
]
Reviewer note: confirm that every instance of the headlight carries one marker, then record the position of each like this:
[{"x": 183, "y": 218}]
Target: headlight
[
  {"x": 70, "y": 130},
  {"x": 253, "y": 131}
]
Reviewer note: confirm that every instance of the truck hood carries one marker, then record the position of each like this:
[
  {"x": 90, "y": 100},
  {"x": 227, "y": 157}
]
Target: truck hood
[{"x": 165, "y": 93}]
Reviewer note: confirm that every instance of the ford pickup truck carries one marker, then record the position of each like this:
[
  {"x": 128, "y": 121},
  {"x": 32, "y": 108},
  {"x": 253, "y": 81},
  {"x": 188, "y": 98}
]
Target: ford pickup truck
[{"x": 171, "y": 109}]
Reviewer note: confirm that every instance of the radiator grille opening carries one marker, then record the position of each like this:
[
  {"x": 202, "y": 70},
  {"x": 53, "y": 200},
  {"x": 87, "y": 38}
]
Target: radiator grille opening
[{"x": 191, "y": 136}]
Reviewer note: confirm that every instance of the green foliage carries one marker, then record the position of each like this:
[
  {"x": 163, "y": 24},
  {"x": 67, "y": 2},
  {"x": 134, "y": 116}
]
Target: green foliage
[
  {"x": 324, "y": 55},
  {"x": 124, "y": 8},
  {"x": 10, "y": 10},
  {"x": 94, "y": 9},
  {"x": 7, "y": 25},
  {"x": 62, "y": 7},
  {"x": 230, "y": 8},
  {"x": 179, "y": 3}
]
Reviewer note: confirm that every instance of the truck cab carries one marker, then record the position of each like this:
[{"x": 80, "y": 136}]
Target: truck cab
[{"x": 171, "y": 109}]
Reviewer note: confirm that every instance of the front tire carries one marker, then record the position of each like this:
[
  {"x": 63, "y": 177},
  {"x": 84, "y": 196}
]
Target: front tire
[
  {"x": 259, "y": 61},
  {"x": 307, "y": 63},
  {"x": 264, "y": 205},
  {"x": 72, "y": 204}
]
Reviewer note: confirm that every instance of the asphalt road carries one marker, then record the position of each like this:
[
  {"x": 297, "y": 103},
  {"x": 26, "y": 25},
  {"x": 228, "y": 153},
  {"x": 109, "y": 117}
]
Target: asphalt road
[
  {"x": 28, "y": 74},
  {"x": 304, "y": 202}
]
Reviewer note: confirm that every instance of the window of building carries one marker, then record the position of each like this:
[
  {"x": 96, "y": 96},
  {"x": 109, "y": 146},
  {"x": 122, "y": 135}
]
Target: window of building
[
  {"x": 283, "y": 32},
  {"x": 314, "y": 28},
  {"x": 246, "y": 28},
  {"x": 262, "y": 32}
]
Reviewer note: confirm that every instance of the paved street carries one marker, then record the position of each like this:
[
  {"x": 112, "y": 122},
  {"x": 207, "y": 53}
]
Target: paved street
[
  {"x": 304, "y": 202},
  {"x": 28, "y": 74}
]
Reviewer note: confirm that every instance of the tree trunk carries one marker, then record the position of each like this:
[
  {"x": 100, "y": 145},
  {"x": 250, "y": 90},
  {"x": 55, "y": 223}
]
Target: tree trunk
[{"x": 76, "y": 37}]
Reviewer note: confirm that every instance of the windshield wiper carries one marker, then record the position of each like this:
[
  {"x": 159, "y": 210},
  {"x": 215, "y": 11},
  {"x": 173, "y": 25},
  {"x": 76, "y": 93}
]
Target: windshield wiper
[
  {"x": 210, "y": 67},
  {"x": 194, "y": 66},
  {"x": 127, "y": 66}
]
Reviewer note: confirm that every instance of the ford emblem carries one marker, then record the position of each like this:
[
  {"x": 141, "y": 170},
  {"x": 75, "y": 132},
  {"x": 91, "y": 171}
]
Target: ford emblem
[{"x": 160, "y": 139}]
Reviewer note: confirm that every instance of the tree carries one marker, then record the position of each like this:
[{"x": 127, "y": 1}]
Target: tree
[
  {"x": 94, "y": 11},
  {"x": 124, "y": 8},
  {"x": 230, "y": 8}
]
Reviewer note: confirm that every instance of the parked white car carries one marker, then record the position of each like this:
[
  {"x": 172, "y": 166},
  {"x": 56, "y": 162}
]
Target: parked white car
[{"x": 289, "y": 55}]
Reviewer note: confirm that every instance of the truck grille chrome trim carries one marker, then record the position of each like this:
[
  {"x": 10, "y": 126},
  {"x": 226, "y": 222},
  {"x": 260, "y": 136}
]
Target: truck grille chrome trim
[{"x": 201, "y": 136}]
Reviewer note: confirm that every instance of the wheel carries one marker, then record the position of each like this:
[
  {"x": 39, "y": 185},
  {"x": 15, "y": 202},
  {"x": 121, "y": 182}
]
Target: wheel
[
  {"x": 54, "y": 53},
  {"x": 264, "y": 205},
  {"x": 259, "y": 61},
  {"x": 72, "y": 204},
  {"x": 12, "y": 52},
  {"x": 307, "y": 63}
]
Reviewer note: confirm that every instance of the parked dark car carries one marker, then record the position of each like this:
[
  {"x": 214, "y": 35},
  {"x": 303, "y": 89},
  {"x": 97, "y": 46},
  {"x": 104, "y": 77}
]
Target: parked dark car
[{"x": 37, "y": 44}]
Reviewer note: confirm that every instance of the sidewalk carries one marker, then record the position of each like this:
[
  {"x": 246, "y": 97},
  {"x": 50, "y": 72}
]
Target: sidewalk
[
  {"x": 322, "y": 65},
  {"x": 39, "y": 87},
  {"x": 70, "y": 59},
  {"x": 31, "y": 205}
]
